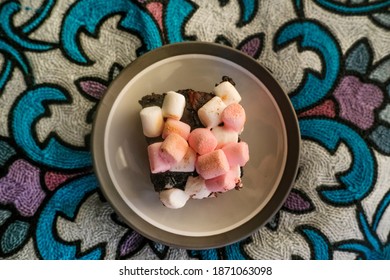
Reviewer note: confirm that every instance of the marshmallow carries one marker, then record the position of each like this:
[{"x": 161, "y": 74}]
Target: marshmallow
[
  {"x": 236, "y": 153},
  {"x": 224, "y": 182},
  {"x": 212, "y": 164},
  {"x": 173, "y": 105},
  {"x": 175, "y": 126},
  {"x": 196, "y": 188},
  {"x": 152, "y": 121},
  {"x": 227, "y": 92},
  {"x": 224, "y": 135},
  {"x": 210, "y": 113},
  {"x": 202, "y": 141},
  {"x": 157, "y": 164},
  {"x": 173, "y": 148},
  {"x": 187, "y": 164},
  {"x": 234, "y": 117},
  {"x": 174, "y": 198}
]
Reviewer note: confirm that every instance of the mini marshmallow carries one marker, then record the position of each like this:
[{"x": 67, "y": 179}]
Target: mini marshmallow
[
  {"x": 202, "y": 141},
  {"x": 152, "y": 121},
  {"x": 175, "y": 126},
  {"x": 210, "y": 113},
  {"x": 227, "y": 92},
  {"x": 236, "y": 153},
  {"x": 156, "y": 163},
  {"x": 187, "y": 164},
  {"x": 174, "y": 198},
  {"x": 224, "y": 182},
  {"x": 234, "y": 117},
  {"x": 173, "y": 105},
  {"x": 224, "y": 135},
  {"x": 173, "y": 148},
  {"x": 212, "y": 164},
  {"x": 196, "y": 188}
]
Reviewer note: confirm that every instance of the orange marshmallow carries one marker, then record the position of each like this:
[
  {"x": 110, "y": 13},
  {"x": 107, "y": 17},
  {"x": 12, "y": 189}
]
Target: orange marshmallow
[
  {"x": 202, "y": 141},
  {"x": 212, "y": 164},
  {"x": 187, "y": 164},
  {"x": 236, "y": 153},
  {"x": 157, "y": 164},
  {"x": 173, "y": 148},
  {"x": 234, "y": 117},
  {"x": 175, "y": 126}
]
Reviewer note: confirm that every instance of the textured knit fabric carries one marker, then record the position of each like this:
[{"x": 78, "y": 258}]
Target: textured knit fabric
[{"x": 57, "y": 59}]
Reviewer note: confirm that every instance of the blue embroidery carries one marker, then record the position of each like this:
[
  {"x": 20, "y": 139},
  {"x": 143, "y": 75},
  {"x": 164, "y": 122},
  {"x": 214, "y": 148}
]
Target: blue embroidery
[
  {"x": 356, "y": 9},
  {"x": 312, "y": 36},
  {"x": 248, "y": 11},
  {"x": 369, "y": 235},
  {"x": 319, "y": 243},
  {"x": 380, "y": 211},
  {"x": 229, "y": 252},
  {"x": 6, "y": 152},
  {"x": 4, "y": 215},
  {"x": 176, "y": 13},
  {"x": 65, "y": 201},
  {"x": 5, "y": 74},
  {"x": 15, "y": 55},
  {"x": 27, "y": 110},
  {"x": 7, "y": 11},
  {"x": 39, "y": 17},
  {"x": 233, "y": 252},
  {"x": 210, "y": 254},
  {"x": 359, "y": 57},
  {"x": 380, "y": 137},
  {"x": 14, "y": 236},
  {"x": 87, "y": 15},
  {"x": 359, "y": 179},
  {"x": 371, "y": 247}
]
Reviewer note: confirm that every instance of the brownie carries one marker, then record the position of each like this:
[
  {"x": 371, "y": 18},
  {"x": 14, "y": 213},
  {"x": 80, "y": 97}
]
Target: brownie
[{"x": 194, "y": 101}]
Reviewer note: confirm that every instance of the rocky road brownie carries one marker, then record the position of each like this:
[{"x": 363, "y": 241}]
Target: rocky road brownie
[{"x": 194, "y": 146}]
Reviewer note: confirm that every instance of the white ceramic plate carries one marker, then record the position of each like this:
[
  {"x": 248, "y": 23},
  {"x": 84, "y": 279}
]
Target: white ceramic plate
[{"x": 120, "y": 155}]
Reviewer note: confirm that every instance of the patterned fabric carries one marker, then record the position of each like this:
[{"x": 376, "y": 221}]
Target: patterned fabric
[{"x": 58, "y": 57}]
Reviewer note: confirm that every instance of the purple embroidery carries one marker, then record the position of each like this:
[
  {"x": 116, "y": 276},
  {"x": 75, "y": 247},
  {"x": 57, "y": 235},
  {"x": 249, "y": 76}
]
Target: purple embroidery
[
  {"x": 298, "y": 202},
  {"x": 131, "y": 243},
  {"x": 21, "y": 187},
  {"x": 93, "y": 88},
  {"x": 358, "y": 101}
]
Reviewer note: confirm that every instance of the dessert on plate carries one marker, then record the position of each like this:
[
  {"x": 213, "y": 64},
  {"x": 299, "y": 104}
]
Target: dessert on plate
[{"x": 194, "y": 145}]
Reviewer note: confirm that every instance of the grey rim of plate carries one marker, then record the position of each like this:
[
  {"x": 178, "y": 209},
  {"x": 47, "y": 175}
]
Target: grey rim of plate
[{"x": 190, "y": 242}]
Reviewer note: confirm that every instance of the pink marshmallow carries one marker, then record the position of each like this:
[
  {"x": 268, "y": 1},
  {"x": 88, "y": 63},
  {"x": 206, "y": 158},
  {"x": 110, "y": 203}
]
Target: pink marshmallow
[
  {"x": 212, "y": 164},
  {"x": 234, "y": 117},
  {"x": 202, "y": 141},
  {"x": 224, "y": 182},
  {"x": 236, "y": 153},
  {"x": 175, "y": 126},
  {"x": 156, "y": 163},
  {"x": 173, "y": 148}
]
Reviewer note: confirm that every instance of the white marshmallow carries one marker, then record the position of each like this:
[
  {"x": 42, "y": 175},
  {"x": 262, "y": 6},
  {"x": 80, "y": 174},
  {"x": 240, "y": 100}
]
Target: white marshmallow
[
  {"x": 173, "y": 105},
  {"x": 187, "y": 164},
  {"x": 227, "y": 92},
  {"x": 152, "y": 121},
  {"x": 210, "y": 113},
  {"x": 196, "y": 188},
  {"x": 224, "y": 136},
  {"x": 174, "y": 198}
]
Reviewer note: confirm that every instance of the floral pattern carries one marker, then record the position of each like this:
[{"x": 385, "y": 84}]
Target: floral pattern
[{"x": 58, "y": 58}]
